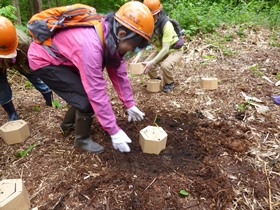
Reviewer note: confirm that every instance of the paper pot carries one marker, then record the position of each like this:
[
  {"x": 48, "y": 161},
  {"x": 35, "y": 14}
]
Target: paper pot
[
  {"x": 152, "y": 139},
  {"x": 153, "y": 85},
  {"x": 136, "y": 68},
  {"x": 210, "y": 83},
  {"x": 13, "y": 195},
  {"x": 15, "y": 131}
]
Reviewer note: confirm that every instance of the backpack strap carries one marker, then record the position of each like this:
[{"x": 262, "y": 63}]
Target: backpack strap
[
  {"x": 162, "y": 21},
  {"x": 100, "y": 34},
  {"x": 53, "y": 52},
  {"x": 52, "y": 49}
]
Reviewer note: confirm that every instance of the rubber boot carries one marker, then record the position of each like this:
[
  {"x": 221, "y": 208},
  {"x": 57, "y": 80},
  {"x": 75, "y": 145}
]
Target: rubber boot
[
  {"x": 68, "y": 123},
  {"x": 48, "y": 98},
  {"x": 10, "y": 109},
  {"x": 82, "y": 138}
]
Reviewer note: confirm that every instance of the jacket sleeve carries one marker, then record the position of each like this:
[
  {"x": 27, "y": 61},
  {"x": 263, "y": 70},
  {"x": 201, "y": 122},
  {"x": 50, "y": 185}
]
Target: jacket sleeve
[
  {"x": 91, "y": 72},
  {"x": 121, "y": 83}
]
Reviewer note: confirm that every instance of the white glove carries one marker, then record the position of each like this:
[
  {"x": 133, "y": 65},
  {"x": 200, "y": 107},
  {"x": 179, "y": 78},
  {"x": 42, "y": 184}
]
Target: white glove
[
  {"x": 148, "y": 66},
  {"x": 135, "y": 114},
  {"x": 120, "y": 140},
  {"x": 138, "y": 56}
]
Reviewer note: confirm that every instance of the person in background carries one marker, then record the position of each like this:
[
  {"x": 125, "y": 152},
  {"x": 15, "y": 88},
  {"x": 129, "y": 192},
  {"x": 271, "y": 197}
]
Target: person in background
[
  {"x": 167, "y": 53},
  {"x": 79, "y": 79},
  {"x": 13, "y": 54}
]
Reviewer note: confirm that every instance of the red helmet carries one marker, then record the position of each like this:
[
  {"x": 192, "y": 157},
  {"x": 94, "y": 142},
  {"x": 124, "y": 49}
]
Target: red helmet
[
  {"x": 8, "y": 38},
  {"x": 154, "y": 5},
  {"x": 137, "y": 17}
]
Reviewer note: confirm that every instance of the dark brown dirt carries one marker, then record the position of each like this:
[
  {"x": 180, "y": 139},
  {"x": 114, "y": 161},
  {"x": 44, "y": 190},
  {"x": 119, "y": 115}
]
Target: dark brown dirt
[{"x": 226, "y": 158}]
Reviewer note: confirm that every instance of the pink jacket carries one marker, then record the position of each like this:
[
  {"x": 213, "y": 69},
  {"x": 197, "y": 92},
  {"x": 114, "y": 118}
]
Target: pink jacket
[{"x": 83, "y": 49}]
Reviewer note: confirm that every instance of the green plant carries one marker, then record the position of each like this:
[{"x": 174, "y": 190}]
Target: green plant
[
  {"x": 227, "y": 51},
  {"x": 217, "y": 40},
  {"x": 210, "y": 57},
  {"x": 274, "y": 38},
  {"x": 255, "y": 70},
  {"x": 28, "y": 85},
  {"x": 278, "y": 75},
  {"x": 205, "y": 16},
  {"x": 8, "y": 12},
  {"x": 228, "y": 37},
  {"x": 37, "y": 108},
  {"x": 56, "y": 104},
  {"x": 142, "y": 78},
  {"x": 155, "y": 121},
  {"x": 23, "y": 153},
  {"x": 183, "y": 192},
  {"x": 242, "y": 107}
]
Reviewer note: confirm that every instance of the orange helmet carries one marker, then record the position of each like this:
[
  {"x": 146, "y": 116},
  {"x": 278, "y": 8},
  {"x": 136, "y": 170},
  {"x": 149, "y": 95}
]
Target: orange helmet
[
  {"x": 8, "y": 38},
  {"x": 154, "y": 5},
  {"x": 137, "y": 17}
]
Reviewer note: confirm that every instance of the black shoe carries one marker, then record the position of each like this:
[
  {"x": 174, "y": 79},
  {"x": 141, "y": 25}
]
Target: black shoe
[
  {"x": 168, "y": 87},
  {"x": 13, "y": 116},
  {"x": 66, "y": 129},
  {"x": 48, "y": 98},
  {"x": 11, "y": 111}
]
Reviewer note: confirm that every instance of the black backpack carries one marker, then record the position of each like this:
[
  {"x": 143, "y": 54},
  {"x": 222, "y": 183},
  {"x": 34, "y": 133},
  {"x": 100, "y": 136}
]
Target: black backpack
[{"x": 179, "y": 31}]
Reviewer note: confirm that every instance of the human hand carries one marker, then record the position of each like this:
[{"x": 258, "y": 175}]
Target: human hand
[
  {"x": 120, "y": 140},
  {"x": 135, "y": 114},
  {"x": 136, "y": 59},
  {"x": 148, "y": 66}
]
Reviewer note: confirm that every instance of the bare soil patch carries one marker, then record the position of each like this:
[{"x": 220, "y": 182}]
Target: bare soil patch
[{"x": 225, "y": 157}]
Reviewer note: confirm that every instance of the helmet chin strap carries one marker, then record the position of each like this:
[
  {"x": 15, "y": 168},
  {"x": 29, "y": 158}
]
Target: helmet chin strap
[
  {"x": 158, "y": 22},
  {"x": 116, "y": 24}
]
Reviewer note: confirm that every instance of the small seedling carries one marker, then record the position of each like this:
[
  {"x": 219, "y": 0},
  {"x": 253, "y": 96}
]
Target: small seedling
[
  {"x": 183, "y": 192},
  {"x": 23, "y": 153},
  {"x": 273, "y": 39},
  {"x": 37, "y": 108},
  {"x": 241, "y": 107},
  {"x": 155, "y": 120},
  {"x": 210, "y": 57},
  {"x": 142, "y": 79},
  {"x": 56, "y": 104},
  {"x": 29, "y": 85},
  {"x": 240, "y": 32},
  {"x": 228, "y": 37},
  {"x": 254, "y": 70},
  {"x": 278, "y": 75}
]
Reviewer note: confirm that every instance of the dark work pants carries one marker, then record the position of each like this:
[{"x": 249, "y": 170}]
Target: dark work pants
[
  {"x": 67, "y": 84},
  {"x": 6, "y": 91}
]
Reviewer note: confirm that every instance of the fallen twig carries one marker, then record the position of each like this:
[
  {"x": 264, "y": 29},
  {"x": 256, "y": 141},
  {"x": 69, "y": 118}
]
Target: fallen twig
[
  {"x": 150, "y": 183},
  {"x": 36, "y": 193},
  {"x": 60, "y": 200},
  {"x": 269, "y": 188}
]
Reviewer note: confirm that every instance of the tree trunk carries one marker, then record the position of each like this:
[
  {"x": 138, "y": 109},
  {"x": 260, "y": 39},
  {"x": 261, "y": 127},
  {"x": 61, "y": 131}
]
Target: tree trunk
[
  {"x": 37, "y": 6},
  {"x": 15, "y": 3},
  {"x": 49, "y": 4},
  {"x": 30, "y": 9}
]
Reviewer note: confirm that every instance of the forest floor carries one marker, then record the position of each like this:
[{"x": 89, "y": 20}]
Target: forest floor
[{"x": 223, "y": 145}]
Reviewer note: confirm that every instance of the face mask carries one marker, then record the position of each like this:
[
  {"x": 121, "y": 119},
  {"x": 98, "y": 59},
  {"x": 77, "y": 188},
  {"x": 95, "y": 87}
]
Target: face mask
[{"x": 8, "y": 60}]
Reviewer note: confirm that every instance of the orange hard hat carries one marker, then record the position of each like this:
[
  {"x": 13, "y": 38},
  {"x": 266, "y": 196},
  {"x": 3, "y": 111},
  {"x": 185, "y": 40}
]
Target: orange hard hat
[
  {"x": 8, "y": 38},
  {"x": 137, "y": 17},
  {"x": 154, "y": 5}
]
